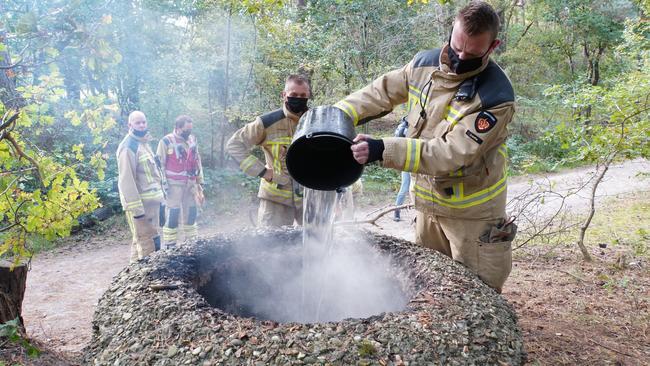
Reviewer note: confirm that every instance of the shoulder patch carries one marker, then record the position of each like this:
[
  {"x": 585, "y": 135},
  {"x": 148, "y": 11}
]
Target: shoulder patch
[
  {"x": 484, "y": 122},
  {"x": 270, "y": 118},
  {"x": 132, "y": 144},
  {"x": 128, "y": 143},
  {"x": 427, "y": 58},
  {"x": 494, "y": 87}
]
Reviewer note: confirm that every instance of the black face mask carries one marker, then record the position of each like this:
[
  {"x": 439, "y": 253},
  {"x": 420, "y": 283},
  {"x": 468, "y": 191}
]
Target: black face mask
[
  {"x": 140, "y": 133},
  {"x": 459, "y": 66},
  {"x": 186, "y": 134},
  {"x": 297, "y": 105}
]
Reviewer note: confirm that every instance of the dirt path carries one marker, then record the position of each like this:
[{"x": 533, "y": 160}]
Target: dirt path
[{"x": 64, "y": 285}]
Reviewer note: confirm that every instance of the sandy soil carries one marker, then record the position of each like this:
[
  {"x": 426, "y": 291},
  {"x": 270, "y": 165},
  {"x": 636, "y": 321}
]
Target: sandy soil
[{"x": 571, "y": 312}]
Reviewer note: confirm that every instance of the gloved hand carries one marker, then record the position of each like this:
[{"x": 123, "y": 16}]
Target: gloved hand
[
  {"x": 144, "y": 229},
  {"x": 365, "y": 149}
]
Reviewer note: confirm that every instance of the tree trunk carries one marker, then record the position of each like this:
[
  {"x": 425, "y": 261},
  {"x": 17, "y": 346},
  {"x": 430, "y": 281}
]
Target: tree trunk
[
  {"x": 12, "y": 291},
  {"x": 592, "y": 208},
  {"x": 225, "y": 91}
]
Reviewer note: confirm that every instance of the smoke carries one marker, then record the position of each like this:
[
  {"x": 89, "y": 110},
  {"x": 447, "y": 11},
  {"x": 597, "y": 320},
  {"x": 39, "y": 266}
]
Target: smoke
[{"x": 328, "y": 276}]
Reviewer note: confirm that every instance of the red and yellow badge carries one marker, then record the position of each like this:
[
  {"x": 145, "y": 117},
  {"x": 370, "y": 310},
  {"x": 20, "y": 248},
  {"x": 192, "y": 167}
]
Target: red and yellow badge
[{"x": 485, "y": 121}]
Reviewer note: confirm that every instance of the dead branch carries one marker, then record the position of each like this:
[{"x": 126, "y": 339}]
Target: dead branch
[
  {"x": 612, "y": 349},
  {"x": 572, "y": 275},
  {"x": 373, "y": 220}
]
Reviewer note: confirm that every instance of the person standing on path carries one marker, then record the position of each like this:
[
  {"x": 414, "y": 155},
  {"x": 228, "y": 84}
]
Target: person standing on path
[
  {"x": 181, "y": 164},
  {"x": 406, "y": 176},
  {"x": 140, "y": 187},
  {"x": 460, "y": 104},
  {"x": 280, "y": 196}
]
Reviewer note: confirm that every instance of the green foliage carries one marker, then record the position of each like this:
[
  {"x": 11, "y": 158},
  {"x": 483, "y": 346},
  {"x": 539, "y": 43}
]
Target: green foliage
[{"x": 11, "y": 331}]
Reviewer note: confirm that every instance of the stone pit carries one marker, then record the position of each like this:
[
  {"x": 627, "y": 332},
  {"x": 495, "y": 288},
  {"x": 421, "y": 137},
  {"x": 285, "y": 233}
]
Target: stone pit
[{"x": 200, "y": 305}]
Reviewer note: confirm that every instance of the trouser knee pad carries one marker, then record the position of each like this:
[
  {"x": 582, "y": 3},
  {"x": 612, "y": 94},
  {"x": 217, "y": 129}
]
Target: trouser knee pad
[
  {"x": 191, "y": 217},
  {"x": 172, "y": 220}
]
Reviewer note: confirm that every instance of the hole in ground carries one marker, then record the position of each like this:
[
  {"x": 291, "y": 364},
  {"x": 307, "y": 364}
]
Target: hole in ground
[{"x": 270, "y": 279}]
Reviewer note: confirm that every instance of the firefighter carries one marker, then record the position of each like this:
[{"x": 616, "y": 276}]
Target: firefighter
[
  {"x": 460, "y": 103},
  {"x": 280, "y": 196},
  {"x": 181, "y": 165},
  {"x": 140, "y": 187}
]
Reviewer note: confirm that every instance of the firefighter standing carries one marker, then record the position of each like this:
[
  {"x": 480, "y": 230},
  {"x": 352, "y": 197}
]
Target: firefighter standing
[
  {"x": 280, "y": 196},
  {"x": 140, "y": 187},
  {"x": 181, "y": 164},
  {"x": 460, "y": 103}
]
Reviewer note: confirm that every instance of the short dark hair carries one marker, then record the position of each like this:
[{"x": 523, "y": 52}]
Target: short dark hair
[
  {"x": 300, "y": 80},
  {"x": 479, "y": 17},
  {"x": 182, "y": 120}
]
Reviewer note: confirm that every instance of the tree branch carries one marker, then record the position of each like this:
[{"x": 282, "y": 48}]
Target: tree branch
[
  {"x": 374, "y": 219},
  {"x": 21, "y": 154}
]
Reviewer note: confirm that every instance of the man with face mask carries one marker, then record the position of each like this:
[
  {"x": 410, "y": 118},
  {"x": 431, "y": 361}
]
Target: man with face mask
[
  {"x": 459, "y": 103},
  {"x": 140, "y": 187},
  {"x": 280, "y": 196},
  {"x": 181, "y": 165}
]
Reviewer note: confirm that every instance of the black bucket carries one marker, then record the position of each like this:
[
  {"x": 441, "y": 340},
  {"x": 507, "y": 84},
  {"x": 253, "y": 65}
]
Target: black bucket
[{"x": 319, "y": 156}]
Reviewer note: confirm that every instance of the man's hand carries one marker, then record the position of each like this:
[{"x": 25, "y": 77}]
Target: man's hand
[
  {"x": 360, "y": 148},
  {"x": 366, "y": 149},
  {"x": 268, "y": 175}
]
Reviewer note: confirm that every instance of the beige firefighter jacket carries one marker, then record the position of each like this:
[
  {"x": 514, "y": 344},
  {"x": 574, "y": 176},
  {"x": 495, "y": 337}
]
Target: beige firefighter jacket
[
  {"x": 273, "y": 132},
  {"x": 139, "y": 178},
  {"x": 455, "y": 148}
]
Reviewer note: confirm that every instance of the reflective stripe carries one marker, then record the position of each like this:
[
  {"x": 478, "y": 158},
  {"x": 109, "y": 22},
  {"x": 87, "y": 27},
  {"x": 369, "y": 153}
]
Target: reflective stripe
[
  {"x": 280, "y": 141},
  {"x": 277, "y": 164},
  {"x": 414, "y": 97},
  {"x": 349, "y": 110},
  {"x": 169, "y": 234},
  {"x": 274, "y": 190},
  {"x": 247, "y": 163},
  {"x": 144, "y": 161},
  {"x": 459, "y": 200},
  {"x": 463, "y": 202},
  {"x": 413, "y": 152},
  {"x": 133, "y": 205},
  {"x": 157, "y": 194},
  {"x": 454, "y": 114}
]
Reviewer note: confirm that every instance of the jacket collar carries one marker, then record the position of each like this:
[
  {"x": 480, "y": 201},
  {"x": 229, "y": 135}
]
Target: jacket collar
[
  {"x": 448, "y": 74},
  {"x": 292, "y": 116}
]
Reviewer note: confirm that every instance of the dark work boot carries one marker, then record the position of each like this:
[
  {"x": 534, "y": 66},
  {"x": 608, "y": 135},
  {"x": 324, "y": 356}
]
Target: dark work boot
[{"x": 396, "y": 217}]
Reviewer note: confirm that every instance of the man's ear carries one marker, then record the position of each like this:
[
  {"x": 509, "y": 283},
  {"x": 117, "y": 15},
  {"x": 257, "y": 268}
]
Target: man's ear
[
  {"x": 495, "y": 44},
  {"x": 283, "y": 94}
]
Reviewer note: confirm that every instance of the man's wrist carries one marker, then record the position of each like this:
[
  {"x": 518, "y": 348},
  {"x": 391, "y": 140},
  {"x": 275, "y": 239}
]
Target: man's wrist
[
  {"x": 262, "y": 173},
  {"x": 375, "y": 150}
]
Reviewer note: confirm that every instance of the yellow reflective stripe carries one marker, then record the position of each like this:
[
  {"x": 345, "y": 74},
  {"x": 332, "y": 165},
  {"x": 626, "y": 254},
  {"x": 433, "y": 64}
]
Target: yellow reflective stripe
[
  {"x": 132, "y": 205},
  {"x": 272, "y": 189},
  {"x": 247, "y": 163},
  {"x": 413, "y": 152},
  {"x": 151, "y": 195},
  {"x": 455, "y": 116},
  {"x": 503, "y": 150},
  {"x": 349, "y": 110},
  {"x": 147, "y": 170},
  {"x": 277, "y": 164},
  {"x": 418, "y": 154},
  {"x": 464, "y": 202},
  {"x": 280, "y": 141},
  {"x": 415, "y": 89}
]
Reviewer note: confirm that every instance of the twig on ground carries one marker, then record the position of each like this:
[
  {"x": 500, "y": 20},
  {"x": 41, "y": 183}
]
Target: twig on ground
[
  {"x": 373, "y": 220},
  {"x": 572, "y": 275},
  {"x": 612, "y": 349}
]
